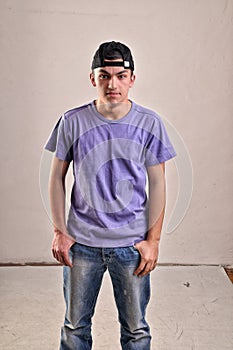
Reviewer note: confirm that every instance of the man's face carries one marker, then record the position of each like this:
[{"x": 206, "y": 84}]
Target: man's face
[{"x": 112, "y": 83}]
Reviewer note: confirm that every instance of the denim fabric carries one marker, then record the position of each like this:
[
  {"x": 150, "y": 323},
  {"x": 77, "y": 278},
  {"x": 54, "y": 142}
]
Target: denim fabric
[{"x": 81, "y": 287}]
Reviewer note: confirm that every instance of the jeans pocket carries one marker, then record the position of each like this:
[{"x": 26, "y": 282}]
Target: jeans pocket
[{"x": 134, "y": 250}]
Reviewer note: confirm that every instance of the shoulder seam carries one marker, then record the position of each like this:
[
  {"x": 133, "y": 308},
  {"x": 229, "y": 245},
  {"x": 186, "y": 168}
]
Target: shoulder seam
[
  {"x": 147, "y": 111},
  {"x": 74, "y": 110}
]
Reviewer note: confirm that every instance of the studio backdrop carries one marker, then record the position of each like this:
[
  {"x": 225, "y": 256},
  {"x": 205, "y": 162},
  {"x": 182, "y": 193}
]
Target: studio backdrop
[{"x": 183, "y": 53}]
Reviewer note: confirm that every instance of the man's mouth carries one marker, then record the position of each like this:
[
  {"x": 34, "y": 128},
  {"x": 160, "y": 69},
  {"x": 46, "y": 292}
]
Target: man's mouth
[{"x": 113, "y": 93}]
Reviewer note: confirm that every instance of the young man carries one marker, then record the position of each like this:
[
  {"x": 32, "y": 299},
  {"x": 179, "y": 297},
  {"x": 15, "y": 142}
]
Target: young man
[{"x": 114, "y": 144}]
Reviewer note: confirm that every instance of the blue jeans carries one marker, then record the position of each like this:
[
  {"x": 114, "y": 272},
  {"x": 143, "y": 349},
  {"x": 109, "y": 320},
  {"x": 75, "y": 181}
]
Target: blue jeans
[{"x": 81, "y": 287}]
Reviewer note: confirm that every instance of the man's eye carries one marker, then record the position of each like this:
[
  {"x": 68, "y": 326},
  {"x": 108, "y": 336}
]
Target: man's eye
[
  {"x": 122, "y": 76},
  {"x": 103, "y": 76}
]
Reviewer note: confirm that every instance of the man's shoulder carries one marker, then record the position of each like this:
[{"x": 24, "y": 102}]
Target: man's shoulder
[
  {"x": 69, "y": 114},
  {"x": 146, "y": 112}
]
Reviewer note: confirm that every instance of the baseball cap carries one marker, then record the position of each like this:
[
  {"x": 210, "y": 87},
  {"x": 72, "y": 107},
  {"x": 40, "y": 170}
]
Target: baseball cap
[{"x": 105, "y": 51}]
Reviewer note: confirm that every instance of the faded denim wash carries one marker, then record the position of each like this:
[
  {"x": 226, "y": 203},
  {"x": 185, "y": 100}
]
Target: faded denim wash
[{"x": 81, "y": 287}]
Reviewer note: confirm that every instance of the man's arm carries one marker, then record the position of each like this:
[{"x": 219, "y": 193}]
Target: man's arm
[
  {"x": 149, "y": 248},
  {"x": 62, "y": 241}
]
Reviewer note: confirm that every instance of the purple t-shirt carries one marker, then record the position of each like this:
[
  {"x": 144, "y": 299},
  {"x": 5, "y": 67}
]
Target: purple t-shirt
[{"x": 109, "y": 200}]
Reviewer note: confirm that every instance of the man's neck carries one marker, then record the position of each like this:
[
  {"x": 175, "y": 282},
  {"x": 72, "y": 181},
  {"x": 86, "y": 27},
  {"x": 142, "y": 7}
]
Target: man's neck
[{"x": 113, "y": 111}]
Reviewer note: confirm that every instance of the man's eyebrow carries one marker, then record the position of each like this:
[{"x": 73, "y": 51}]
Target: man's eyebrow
[
  {"x": 103, "y": 71},
  {"x": 121, "y": 72}
]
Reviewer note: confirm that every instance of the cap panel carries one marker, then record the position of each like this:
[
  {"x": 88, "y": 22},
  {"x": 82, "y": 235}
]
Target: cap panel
[{"x": 103, "y": 53}]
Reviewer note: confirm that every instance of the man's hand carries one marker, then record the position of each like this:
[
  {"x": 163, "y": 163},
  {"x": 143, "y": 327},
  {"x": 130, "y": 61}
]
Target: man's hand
[
  {"x": 61, "y": 246},
  {"x": 149, "y": 256}
]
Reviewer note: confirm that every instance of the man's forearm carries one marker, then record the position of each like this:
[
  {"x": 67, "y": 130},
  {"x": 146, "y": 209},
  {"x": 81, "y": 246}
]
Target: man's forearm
[
  {"x": 157, "y": 200},
  {"x": 57, "y": 204},
  {"x": 62, "y": 241},
  {"x": 149, "y": 248},
  {"x": 154, "y": 231},
  {"x": 57, "y": 194}
]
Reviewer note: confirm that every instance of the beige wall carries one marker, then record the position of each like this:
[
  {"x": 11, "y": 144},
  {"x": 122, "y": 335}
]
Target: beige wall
[{"x": 183, "y": 52}]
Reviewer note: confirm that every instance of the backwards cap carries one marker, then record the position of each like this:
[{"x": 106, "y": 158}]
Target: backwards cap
[{"x": 104, "y": 51}]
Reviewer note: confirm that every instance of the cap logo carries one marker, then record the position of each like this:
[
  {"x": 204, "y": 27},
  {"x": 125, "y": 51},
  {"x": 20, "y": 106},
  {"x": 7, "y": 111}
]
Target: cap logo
[{"x": 126, "y": 64}]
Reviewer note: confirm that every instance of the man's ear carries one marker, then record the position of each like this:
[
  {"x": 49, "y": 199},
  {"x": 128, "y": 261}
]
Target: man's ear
[
  {"x": 133, "y": 77},
  {"x": 92, "y": 78}
]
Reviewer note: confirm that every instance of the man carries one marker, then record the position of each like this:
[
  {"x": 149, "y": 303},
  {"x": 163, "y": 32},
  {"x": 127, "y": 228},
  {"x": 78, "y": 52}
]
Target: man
[{"x": 114, "y": 144}]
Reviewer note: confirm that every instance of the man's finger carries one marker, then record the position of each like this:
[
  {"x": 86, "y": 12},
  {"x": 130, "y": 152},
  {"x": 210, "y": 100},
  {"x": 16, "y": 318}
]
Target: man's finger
[
  {"x": 55, "y": 255},
  {"x": 140, "y": 268},
  {"x": 144, "y": 269},
  {"x": 147, "y": 269},
  {"x": 66, "y": 260}
]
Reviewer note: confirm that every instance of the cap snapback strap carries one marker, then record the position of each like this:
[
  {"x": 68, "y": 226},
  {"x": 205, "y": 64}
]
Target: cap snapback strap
[{"x": 124, "y": 64}]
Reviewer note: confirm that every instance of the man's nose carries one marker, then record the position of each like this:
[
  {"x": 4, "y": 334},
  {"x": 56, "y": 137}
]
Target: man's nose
[{"x": 112, "y": 83}]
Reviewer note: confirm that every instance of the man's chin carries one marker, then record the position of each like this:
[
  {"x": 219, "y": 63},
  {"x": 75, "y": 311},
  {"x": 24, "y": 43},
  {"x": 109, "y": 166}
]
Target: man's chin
[{"x": 113, "y": 102}]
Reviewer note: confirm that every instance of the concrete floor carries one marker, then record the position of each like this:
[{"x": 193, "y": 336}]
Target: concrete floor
[{"x": 191, "y": 308}]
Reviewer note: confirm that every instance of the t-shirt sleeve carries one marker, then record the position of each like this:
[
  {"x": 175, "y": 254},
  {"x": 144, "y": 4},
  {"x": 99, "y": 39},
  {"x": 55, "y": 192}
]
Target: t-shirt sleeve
[
  {"x": 60, "y": 141},
  {"x": 159, "y": 146}
]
